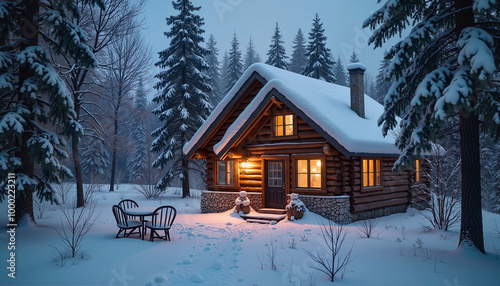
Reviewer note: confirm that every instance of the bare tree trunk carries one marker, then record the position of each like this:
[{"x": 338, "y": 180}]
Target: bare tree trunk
[
  {"x": 24, "y": 198},
  {"x": 471, "y": 228},
  {"x": 80, "y": 202},
  {"x": 113, "y": 160},
  {"x": 185, "y": 180}
]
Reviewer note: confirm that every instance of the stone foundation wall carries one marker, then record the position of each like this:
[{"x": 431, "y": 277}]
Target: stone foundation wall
[
  {"x": 379, "y": 212},
  {"x": 335, "y": 208},
  {"x": 217, "y": 202}
]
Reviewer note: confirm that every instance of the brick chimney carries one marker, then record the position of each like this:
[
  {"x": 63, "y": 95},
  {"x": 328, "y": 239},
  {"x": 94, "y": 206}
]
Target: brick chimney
[{"x": 356, "y": 73}]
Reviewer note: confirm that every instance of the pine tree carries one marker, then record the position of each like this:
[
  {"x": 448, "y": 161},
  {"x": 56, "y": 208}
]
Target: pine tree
[
  {"x": 251, "y": 55},
  {"x": 319, "y": 64},
  {"x": 299, "y": 58},
  {"x": 95, "y": 156},
  {"x": 444, "y": 69},
  {"x": 382, "y": 84},
  {"x": 36, "y": 109},
  {"x": 234, "y": 65},
  {"x": 339, "y": 72},
  {"x": 214, "y": 73},
  {"x": 138, "y": 154},
  {"x": 276, "y": 56},
  {"x": 224, "y": 71},
  {"x": 184, "y": 89},
  {"x": 354, "y": 57}
]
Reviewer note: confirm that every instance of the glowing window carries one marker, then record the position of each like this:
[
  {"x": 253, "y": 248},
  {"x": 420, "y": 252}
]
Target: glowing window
[
  {"x": 283, "y": 125},
  {"x": 226, "y": 172},
  {"x": 309, "y": 173},
  {"x": 371, "y": 173},
  {"x": 417, "y": 170}
]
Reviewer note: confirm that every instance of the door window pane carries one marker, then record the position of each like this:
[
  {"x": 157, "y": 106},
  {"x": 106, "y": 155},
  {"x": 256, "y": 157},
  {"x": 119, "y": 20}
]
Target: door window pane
[{"x": 275, "y": 174}]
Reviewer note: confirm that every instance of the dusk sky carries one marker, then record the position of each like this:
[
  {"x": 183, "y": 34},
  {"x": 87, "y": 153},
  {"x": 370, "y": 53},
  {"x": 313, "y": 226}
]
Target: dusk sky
[{"x": 342, "y": 21}]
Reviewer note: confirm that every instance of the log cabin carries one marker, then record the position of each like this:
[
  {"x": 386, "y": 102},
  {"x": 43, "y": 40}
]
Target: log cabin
[{"x": 276, "y": 133}]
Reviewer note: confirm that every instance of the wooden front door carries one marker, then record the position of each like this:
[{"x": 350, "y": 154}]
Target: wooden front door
[{"x": 275, "y": 184}]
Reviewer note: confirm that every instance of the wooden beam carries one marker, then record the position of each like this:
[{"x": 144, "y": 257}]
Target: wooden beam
[{"x": 277, "y": 102}]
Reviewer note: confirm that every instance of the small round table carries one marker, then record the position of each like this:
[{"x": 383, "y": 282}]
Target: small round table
[{"x": 141, "y": 212}]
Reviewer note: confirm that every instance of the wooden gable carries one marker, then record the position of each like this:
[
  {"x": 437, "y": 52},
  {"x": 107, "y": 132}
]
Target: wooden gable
[{"x": 231, "y": 111}]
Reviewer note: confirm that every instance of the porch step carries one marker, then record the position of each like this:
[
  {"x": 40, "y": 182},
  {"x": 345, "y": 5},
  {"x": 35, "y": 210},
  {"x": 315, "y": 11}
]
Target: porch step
[
  {"x": 271, "y": 211},
  {"x": 261, "y": 216},
  {"x": 263, "y": 221}
]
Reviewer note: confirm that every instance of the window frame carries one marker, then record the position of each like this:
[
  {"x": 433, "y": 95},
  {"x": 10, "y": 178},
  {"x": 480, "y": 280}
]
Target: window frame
[
  {"x": 295, "y": 173},
  {"x": 294, "y": 124},
  {"x": 236, "y": 174},
  {"x": 373, "y": 187}
]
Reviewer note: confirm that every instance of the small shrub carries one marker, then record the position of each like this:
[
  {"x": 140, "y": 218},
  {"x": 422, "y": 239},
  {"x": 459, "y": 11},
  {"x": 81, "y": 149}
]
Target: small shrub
[
  {"x": 40, "y": 208},
  {"x": 75, "y": 224},
  {"x": 62, "y": 191},
  {"x": 303, "y": 238},
  {"x": 292, "y": 244},
  {"x": 335, "y": 259},
  {"x": 271, "y": 256},
  {"x": 367, "y": 227},
  {"x": 150, "y": 191},
  {"x": 419, "y": 242}
]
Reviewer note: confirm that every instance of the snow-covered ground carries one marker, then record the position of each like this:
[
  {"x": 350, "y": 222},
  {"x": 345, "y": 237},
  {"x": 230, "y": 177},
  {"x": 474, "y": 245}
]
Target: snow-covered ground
[{"x": 223, "y": 249}]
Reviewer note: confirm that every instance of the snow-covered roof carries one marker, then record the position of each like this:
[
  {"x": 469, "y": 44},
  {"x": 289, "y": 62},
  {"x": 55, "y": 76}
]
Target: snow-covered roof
[{"x": 325, "y": 104}]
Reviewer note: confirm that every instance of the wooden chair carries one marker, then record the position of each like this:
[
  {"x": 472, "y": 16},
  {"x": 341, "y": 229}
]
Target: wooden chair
[
  {"x": 124, "y": 224},
  {"x": 163, "y": 219},
  {"x": 127, "y": 204}
]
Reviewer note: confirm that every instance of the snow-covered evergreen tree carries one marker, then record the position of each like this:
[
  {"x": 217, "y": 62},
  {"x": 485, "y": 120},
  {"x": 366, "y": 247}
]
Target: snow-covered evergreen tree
[
  {"x": 299, "y": 58},
  {"x": 214, "y": 73},
  {"x": 276, "y": 56},
  {"x": 339, "y": 72},
  {"x": 36, "y": 110},
  {"x": 224, "y": 71},
  {"x": 251, "y": 55},
  {"x": 234, "y": 64},
  {"x": 319, "y": 64},
  {"x": 137, "y": 160},
  {"x": 382, "y": 84},
  {"x": 95, "y": 156},
  {"x": 445, "y": 68},
  {"x": 369, "y": 86},
  {"x": 184, "y": 88},
  {"x": 354, "y": 57}
]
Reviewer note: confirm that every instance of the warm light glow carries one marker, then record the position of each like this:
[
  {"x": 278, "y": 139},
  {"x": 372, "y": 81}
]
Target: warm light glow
[
  {"x": 244, "y": 164},
  {"x": 318, "y": 163}
]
